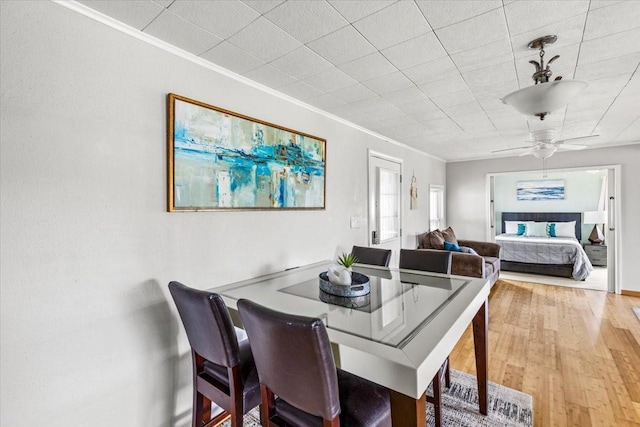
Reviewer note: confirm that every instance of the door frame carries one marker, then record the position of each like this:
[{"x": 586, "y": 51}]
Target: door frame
[
  {"x": 371, "y": 198},
  {"x": 613, "y": 233}
]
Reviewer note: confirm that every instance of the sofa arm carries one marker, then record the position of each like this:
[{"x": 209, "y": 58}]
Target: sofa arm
[
  {"x": 467, "y": 265},
  {"x": 482, "y": 248}
]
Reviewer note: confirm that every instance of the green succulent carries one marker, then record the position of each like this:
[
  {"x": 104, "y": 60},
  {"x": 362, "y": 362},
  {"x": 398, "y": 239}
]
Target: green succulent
[{"x": 347, "y": 260}]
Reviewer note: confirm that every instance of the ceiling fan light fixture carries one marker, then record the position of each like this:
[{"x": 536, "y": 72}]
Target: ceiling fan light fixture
[
  {"x": 545, "y": 96},
  {"x": 544, "y": 152}
]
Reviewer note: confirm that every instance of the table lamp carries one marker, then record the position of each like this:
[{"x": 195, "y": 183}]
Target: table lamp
[{"x": 595, "y": 217}]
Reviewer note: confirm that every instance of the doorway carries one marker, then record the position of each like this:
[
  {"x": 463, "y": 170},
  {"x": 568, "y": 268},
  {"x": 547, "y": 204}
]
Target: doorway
[
  {"x": 385, "y": 207},
  {"x": 587, "y": 189}
]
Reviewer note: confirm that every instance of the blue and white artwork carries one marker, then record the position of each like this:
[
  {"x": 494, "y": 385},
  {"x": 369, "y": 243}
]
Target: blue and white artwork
[
  {"x": 549, "y": 189},
  {"x": 221, "y": 160}
]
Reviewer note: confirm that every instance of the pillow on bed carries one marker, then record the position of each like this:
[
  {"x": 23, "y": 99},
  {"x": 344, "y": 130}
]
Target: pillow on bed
[
  {"x": 536, "y": 229},
  {"x": 515, "y": 227},
  {"x": 561, "y": 229},
  {"x": 511, "y": 227}
]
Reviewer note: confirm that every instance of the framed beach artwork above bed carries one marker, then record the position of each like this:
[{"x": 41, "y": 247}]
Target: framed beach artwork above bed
[
  {"x": 221, "y": 160},
  {"x": 547, "y": 189}
]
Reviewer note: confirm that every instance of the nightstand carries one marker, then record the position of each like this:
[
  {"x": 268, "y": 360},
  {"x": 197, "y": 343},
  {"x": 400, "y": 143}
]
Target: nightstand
[{"x": 597, "y": 254}]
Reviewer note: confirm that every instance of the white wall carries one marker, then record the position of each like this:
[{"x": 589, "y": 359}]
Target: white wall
[
  {"x": 467, "y": 200},
  {"x": 581, "y": 188},
  {"x": 89, "y": 336}
]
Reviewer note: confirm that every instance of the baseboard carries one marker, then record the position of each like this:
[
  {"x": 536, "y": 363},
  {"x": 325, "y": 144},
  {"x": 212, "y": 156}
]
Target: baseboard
[{"x": 630, "y": 293}]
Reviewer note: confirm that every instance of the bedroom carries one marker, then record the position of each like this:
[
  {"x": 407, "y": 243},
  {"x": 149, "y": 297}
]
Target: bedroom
[{"x": 574, "y": 195}]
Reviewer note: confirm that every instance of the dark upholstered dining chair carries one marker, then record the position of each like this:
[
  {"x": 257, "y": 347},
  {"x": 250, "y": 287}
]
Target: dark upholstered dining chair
[
  {"x": 372, "y": 256},
  {"x": 431, "y": 260},
  {"x": 223, "y": 368},
  {"x": 295, "y": 362},
  {"x": 435, "y": 261}
]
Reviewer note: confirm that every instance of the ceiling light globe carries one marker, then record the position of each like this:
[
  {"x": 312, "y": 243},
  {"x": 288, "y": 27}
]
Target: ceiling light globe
[
  {"x": 543, "y": 98},
  {"x": 544, "y": 152}
]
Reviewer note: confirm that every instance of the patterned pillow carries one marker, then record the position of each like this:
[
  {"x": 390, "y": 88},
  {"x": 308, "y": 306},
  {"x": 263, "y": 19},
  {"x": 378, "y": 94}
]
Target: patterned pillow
[{"x": 521, "y": 229}]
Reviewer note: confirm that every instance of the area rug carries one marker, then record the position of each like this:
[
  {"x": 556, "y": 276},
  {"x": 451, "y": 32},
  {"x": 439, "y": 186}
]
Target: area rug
[
  {"x": 507, "y": 407},
  {"x": 636, "y": 310}
]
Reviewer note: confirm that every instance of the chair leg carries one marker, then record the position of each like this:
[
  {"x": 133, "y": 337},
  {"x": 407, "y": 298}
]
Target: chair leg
[
  {"x": 437, "y": 399},
  {"x": 332, "y": 423},
  {"x": 267, "y": 407},
  {"x": 237, "y": 408},
  {"x": 201, "y": 410},
  {"x": 447, "y": 375}
]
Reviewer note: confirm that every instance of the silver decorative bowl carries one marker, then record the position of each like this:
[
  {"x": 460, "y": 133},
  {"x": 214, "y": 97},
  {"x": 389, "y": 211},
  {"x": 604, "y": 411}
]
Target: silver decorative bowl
[
  {"x": 349, "y": 302},
  {"x": 359, "y": 286}
]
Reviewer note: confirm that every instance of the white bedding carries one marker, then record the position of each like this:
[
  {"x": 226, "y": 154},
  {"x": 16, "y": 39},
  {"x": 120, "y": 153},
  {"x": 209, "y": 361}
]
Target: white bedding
[{"x": 545, "y": 250}]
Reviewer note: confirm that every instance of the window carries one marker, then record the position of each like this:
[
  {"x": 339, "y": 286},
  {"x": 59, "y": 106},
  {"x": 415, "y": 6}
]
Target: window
[
  {"x": 389, "y": 203},
  {"x": 436, "y": 207}
]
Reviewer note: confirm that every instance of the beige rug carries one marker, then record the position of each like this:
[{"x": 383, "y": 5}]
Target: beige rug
[{"x": 507, "y": 407}]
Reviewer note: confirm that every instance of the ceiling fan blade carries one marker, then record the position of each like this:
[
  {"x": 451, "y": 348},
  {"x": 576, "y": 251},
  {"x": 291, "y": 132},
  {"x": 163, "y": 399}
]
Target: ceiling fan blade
[
  {"x": 571, "y": 147},
  {"x": 562, "y": 141},
  {"x": 529, "y": 151},
  {"x": 509, "y": 149}
]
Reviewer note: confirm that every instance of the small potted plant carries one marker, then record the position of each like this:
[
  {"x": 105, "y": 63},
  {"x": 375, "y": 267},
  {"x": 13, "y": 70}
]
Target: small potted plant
[
  {"x": 340, "y": 273},
  {"x": 347, "y": 260}
]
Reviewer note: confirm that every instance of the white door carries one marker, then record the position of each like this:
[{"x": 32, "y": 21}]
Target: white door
[{"x": 385, "y": 204}]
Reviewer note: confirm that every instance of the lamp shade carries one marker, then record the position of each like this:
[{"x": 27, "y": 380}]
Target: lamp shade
[
  {"x": 595, "y": 217},
  {"x": 544, "y": 98}
]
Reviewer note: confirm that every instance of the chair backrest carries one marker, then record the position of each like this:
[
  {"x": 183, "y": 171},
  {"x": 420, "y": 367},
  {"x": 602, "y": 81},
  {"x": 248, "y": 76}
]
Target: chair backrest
[
  {"x": 372, "y": 256},
  {"x": 433, "y": 260},
  {"x": 208, "y": 325},
  {"x": 293, "y": 357}
]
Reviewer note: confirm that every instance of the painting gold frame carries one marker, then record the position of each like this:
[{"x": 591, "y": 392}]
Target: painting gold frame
[{"x": 219, "y": 160}]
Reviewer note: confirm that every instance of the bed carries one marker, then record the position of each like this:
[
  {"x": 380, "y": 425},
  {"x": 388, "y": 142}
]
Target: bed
[{"x": 552, "y": 256}]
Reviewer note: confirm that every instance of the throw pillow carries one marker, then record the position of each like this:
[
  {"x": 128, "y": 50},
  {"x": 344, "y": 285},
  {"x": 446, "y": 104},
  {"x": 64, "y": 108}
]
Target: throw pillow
[
  {"x": 536, "y": 229},
  {"x": 468, "y": 250},
  {"x": 449, "y": 235},
  {"x": 522, "y": 229},
  {"x": 450, "y": 246},
  {"x": 511, "y": 227},
  {"x": 436, "y": 239},
  {"x": 562, "y": 229}
]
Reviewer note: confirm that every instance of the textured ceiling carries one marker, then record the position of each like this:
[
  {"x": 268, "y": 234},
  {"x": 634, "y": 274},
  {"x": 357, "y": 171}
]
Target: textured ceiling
[{"x": 428, "y": 74}]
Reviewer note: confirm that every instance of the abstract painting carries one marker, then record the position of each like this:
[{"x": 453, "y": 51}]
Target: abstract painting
[
  {"x": 220, "y": 160},
  {"x": 550, "y": 189}
]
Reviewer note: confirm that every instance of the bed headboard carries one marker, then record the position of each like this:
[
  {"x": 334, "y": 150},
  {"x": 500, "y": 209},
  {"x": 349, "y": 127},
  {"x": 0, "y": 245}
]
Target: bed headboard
[{"x": 545, "y": 217}]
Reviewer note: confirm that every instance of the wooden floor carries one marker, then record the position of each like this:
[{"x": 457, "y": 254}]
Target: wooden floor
[{"x": 577, "y": 352}]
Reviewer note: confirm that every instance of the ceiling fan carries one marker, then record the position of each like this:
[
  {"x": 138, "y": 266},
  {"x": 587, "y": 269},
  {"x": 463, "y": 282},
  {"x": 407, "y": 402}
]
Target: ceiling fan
[{"x": 545, "y": 144}]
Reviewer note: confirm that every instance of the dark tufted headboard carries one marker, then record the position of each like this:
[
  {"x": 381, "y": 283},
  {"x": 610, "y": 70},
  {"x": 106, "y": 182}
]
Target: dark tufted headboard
[{"x": 545, "y": 217}]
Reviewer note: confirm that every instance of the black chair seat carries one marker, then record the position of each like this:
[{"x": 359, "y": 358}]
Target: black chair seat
[
  {"x": 362, "y": 403},
  {"x": 248, "y": 372}
]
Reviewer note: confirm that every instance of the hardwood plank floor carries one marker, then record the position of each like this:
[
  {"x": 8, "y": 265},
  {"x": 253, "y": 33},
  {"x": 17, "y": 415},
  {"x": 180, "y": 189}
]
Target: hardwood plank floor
[{"x": 576, "y": 351}]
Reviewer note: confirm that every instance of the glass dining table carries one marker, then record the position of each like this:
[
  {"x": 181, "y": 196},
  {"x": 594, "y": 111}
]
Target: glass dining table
[{"x": 397, "y": 336}]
